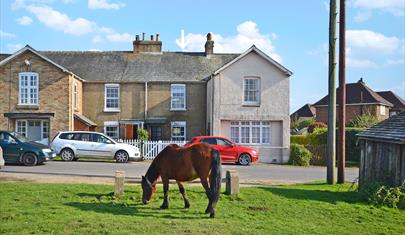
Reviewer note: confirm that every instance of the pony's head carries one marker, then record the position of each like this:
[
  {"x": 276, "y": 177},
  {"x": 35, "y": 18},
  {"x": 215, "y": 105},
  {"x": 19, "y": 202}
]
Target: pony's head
[{"x": 148, "y": 190}]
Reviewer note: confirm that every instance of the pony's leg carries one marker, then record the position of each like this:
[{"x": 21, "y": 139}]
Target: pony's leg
[
  {"x": 165, "y": 182},
  {"x": 183, "y": 193},
  {"x": 206, "y": 186}
]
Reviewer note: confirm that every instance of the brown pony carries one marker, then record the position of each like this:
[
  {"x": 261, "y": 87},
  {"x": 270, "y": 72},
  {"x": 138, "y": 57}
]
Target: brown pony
[{"x": 185, "y": 164}]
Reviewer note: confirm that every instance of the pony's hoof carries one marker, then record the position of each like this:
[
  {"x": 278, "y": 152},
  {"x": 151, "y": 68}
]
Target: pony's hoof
[
  {"x": 187, "y": 206},
  {"x": 212, "y": 215},
  {"x": 207, "y": 211}
]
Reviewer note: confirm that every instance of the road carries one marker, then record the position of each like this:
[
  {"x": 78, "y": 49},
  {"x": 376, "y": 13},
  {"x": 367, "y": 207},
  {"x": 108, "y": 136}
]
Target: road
[{"x": 134, "y": 170}]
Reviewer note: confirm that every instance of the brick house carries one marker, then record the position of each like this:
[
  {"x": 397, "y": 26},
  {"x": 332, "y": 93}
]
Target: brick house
[
  {"x": 174, "y": 95},
  {"x": 360, "y": 99}
]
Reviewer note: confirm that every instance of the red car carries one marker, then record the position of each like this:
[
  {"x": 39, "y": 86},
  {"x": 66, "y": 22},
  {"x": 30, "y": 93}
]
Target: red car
[{"x": 229, "y": 151}]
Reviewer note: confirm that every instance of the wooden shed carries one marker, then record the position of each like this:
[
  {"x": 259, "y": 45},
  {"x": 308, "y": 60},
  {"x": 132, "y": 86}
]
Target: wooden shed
[{"x": 383, "y": 152}]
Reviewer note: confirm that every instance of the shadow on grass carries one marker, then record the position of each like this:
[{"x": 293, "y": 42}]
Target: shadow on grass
[
  {"x": 138, "y": 210},
  {"x": 315, "y": 195}
]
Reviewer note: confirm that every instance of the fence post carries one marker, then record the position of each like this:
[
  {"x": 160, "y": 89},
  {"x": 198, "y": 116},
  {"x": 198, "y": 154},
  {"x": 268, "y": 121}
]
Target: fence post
[
  {"x": 232, "y": 182},
  {"x": 119, "y": 182}
]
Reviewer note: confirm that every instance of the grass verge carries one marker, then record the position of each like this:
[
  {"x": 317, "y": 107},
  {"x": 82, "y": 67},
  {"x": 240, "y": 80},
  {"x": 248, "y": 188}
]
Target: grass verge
[{"x": 80, "y": 208}]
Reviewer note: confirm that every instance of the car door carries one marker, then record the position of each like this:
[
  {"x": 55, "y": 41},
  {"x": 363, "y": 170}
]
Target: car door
[
  {"x": 83, "y": 145},
  {"x": 11, "y": 148},
  {"x": 227, "y": 150},
  {"x": 102, "y": 146}
]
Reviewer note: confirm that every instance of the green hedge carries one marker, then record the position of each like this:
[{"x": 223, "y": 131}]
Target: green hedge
[
  {"x": 299, "y": 155},
  {"x": 299, "y": 139}
]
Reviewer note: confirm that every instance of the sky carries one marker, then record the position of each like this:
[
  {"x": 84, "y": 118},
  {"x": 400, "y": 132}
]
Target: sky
[{"x": 293, "y": 32}]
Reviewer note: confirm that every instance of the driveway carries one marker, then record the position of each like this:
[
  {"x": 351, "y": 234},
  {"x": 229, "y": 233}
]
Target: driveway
[{"x": 256, "y": 173}]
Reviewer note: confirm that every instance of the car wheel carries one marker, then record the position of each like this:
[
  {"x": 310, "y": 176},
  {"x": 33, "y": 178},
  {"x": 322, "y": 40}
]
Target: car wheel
[
  {"x": 244, "y": 159},
  {"x": 67, "y": 155},
  {"x": 29, "y": 159},
  {"x": 121, "y": 157}
]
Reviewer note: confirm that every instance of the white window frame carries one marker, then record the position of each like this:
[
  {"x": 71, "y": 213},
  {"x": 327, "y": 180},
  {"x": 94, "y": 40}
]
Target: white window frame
[
  {"x": 28, "y": 87},
  {"x": 183, "y": 86},
  {"x": 112, "y": 124},
  {"x": 382, "y": 110},
  {"x": 25, "y": 121},
  {"x": 75, "y": 96},
  {"x": 250, "y": 125},
  {"x": 257, "y": 102},
  {"x": 106, "y": 86},
  {"x": 178, "y": 124}
]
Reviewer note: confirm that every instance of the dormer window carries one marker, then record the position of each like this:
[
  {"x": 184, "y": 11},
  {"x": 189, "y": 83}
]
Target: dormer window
[{"x": 28, "y": 88}]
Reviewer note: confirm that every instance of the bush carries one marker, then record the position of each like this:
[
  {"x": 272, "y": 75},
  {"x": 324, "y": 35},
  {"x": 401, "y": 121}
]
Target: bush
[
  {"x": 365, "y": 120},
  {"x": 319, "y": 153},
  {"x": 319, "y": 136},
  {"x": 299, "y": 139},
  {"x": 352, "y": 148},
  {"x": 316, "y": 125},
  {"x": 382, "y": 195},
  {"x": 302, "y": 124},
  {"x": 142, "y": 134},
  {"x": 299, "y": 155}
]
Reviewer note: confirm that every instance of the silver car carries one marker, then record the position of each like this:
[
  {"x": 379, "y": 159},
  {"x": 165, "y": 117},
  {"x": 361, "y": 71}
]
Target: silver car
[{"x": 75, "y": 144}]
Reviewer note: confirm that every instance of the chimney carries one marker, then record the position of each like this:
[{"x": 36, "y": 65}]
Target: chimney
[
  {"x": 151, "y": 46},
  {"x": 209, "y": 46},
  {"x": 361, "y": 81}
]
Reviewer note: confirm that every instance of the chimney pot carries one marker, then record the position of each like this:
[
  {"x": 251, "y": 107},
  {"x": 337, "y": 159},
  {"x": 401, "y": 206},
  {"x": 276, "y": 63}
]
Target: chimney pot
[
  {"x": 209, "y": 46},
  {"x": 147, "y": 46},
  {"x": 151, "y": 37},
  {"x": 157, "y": 37},
  {"x": 137, "y": 37},
  {"x": 143, "y": 36}
]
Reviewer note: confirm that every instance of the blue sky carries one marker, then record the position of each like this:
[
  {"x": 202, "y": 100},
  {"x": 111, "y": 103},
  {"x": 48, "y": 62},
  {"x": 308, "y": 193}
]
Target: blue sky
[{"x": 291, "y": 31}]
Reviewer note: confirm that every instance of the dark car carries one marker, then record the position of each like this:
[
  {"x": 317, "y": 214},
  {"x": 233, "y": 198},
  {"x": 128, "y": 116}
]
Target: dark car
[
  {"x": 18, "y": 149},
  {"x": 229, "y": 151}
]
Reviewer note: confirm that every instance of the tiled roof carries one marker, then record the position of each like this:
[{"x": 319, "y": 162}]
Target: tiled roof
[
  {"x": 397, "y": 101},
  {"x": 357, "y": 93},
  {"x": 391, "y": 129},
  {"x": 124, "y": 66},
  {"x": 305, "y": 111}
]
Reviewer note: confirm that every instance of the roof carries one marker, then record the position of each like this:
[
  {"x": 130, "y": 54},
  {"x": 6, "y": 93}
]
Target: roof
[
  {"x": 305, "y": 111},
  {"x": 85, "y": 120},
  {"x": 260, "y": 53},
  {"x": 390, "y": 130},
  {"x": 358, "y": 93},
  {"x": 125, "y": 66},
  {"x": 6, "y": 59},
  {"x": 390, "y": 96}
]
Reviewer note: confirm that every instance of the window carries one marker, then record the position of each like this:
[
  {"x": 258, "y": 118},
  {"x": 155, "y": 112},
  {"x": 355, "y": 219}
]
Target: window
[
  {"x": 66, "y": 136},
  {"x": 250, "y": 132},
  {"x": 223, "y": 142},
  {"x": 209, "y": 141},
  {"x": 21, "y": 128},
  {"x": 178, "y": 97},
  {"x": 100, "y": 139},
  {"x": 251, "y": 91},
  {"x": 111, "y": 129},
  {"x": 156, "y": 133},
  {"x": 75, "y": 96},
  {"x": 28, "y": 88},
  {"x": 112, "y": 98},
  {"x": 382, "y": 110},
  {"x": 178, "y": 131},
  {"x": 45, "y": 129}
]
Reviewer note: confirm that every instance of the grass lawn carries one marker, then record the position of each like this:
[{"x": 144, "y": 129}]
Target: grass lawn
[{"x": 91, "y": 209}]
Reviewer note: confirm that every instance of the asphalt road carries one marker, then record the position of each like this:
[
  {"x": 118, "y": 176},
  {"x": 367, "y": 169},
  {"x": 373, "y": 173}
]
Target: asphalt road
[{"x": 254, "y": 173}]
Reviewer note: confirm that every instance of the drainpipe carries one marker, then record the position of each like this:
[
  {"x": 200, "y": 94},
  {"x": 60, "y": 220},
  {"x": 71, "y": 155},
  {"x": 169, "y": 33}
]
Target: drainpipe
[{"x": 146, "y": 100}]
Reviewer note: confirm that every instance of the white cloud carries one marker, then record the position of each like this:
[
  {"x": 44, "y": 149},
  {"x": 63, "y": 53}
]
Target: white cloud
[
  {"x": 396, "y": 62},
  {"x": 97, "y": 39},
  {"x": 367, "y": 49},
  {"x": 247, "y": 34},
  {"x": 362, "y": 16},
  {"x": 14, "y": 47},
  {"x": 395, "y": 7},
  {"x": 25, "y": 20},
  {"x": 103, "y": 4},
  {"x": 6, "y": 35},
  {"x": 120, "y": 37},
  {"x": 61, "y": 22}
]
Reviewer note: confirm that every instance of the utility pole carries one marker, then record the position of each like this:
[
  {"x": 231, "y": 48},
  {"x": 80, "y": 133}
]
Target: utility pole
[
  {"x": 342, "y": 93},
  {"x": 331, "y": 160}
]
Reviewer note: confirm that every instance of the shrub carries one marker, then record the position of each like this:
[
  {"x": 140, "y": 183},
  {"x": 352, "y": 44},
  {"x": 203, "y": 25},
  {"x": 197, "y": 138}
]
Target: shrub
[
  {"x": 352, "y": 148},
  {"x": 299, "y": 139},
  {"x": 142, "y": 134},
  {"x": 299, "y": 155},
  {"x": 301, "y": 124},
  {"x": 319, "y": 136},
  {"x": 365, "y": 120},
  {"x": 316, "y": 125},
  {"x": 319, "y": 153},
  {"x": 382, "y": 195}
]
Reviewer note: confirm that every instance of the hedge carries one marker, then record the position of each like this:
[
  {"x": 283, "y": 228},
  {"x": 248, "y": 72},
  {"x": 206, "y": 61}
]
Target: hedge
[
  {"x": 299, "y": 155},
  {"x": 299, "y": 139}
]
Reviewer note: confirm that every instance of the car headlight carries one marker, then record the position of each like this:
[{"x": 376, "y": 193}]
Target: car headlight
[{"x": 47, "y": 150}]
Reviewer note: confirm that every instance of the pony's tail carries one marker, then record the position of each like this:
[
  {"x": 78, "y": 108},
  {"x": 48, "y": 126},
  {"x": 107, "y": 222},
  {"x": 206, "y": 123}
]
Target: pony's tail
[{"x": 215, "y": 178}]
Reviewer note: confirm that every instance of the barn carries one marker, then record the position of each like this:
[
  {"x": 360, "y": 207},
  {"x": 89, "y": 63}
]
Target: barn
[{"x": 383, "y": 152}]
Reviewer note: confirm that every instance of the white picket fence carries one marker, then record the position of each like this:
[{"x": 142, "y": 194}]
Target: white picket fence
[{"x": 151, "y": 148}]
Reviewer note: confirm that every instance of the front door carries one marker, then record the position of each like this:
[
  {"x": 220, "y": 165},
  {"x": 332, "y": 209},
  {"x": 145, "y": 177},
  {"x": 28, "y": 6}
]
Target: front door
[{"x": 34, "y": 130}]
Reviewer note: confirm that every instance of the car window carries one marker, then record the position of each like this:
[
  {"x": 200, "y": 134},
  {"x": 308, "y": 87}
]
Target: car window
[
  {"x": 85, "y": 137},
  {"x": 100, "y": 139},
  {"x": 191, "y": 141},
  {"x": 77, "y": 136},
  {"x": 6, "y": 138},
  {"x": 223, "y": 142},
  {"x": 66, "y": 136},
  {"x": 209, "y": 141}
]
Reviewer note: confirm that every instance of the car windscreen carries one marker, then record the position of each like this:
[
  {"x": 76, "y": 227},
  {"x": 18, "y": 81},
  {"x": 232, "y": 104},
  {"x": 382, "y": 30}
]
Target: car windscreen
[{"x": 19, "y": 137}]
